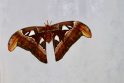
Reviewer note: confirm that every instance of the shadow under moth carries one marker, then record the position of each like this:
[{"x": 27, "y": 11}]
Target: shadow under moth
[{"x": 63, "y": 35}]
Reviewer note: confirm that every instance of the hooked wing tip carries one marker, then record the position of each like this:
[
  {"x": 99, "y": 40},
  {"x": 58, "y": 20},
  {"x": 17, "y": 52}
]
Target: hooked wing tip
[
  {"x": 86, "y": 31},
  {"x": 83, "y": 28},
  {"x": 12, "y": 43}
]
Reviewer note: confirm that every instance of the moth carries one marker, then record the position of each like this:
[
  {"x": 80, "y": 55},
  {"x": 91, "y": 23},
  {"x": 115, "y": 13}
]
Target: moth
[{"x": 63, "y": 34}]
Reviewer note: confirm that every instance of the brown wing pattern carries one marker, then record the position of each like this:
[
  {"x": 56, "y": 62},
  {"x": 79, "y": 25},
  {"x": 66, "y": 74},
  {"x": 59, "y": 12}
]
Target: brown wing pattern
[
  {"x": 66, "y": 38},
  {"x": 69, "y": 37},
  {"x": 31, "y": 43}
]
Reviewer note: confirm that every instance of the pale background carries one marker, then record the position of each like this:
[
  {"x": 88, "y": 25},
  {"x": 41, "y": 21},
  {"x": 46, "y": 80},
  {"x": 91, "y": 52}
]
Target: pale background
[{"x": 96, "y": 60}]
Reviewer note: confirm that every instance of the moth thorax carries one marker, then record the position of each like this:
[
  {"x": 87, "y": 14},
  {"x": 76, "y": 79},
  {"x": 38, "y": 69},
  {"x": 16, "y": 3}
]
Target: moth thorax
[{"x": 48, "y": 37}]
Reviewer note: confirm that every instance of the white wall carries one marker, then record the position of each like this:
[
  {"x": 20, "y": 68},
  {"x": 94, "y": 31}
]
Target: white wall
[{"x": 96, "y": 60}]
